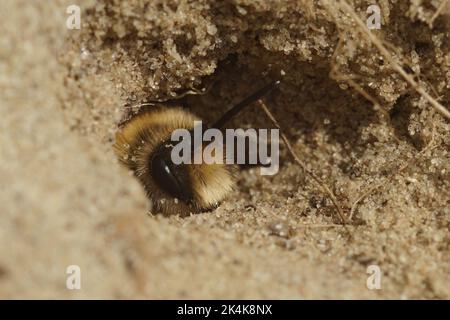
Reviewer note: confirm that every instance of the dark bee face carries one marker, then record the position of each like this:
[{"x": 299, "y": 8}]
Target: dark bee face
[
  {"x": 144, "y": 145},
  {"x": 171, "y": 178}
]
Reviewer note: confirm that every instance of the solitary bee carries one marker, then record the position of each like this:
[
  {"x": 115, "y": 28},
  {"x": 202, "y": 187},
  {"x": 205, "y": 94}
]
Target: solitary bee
[{"x": 144, "y": 145}]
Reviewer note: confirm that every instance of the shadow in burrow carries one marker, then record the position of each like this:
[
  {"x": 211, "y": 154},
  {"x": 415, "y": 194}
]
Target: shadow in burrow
[{"x": 306, "y": 102}]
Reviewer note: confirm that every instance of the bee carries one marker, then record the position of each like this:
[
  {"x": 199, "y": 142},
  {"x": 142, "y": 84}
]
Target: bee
[{"x": 144, "y": 146}]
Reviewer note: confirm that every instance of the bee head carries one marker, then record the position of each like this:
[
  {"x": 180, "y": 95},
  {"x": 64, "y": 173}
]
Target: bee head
[
  {"x": 170, "y": 177},
  {"x": 143, "y": 146}
]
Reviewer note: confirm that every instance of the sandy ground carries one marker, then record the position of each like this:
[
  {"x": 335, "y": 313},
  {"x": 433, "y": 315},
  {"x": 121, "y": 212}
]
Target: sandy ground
[{"x": 66, "y": 200}]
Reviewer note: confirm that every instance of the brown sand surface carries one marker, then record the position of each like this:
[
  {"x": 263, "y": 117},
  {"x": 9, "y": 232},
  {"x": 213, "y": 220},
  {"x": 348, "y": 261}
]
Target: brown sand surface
[{"x": 65, "y": 199}]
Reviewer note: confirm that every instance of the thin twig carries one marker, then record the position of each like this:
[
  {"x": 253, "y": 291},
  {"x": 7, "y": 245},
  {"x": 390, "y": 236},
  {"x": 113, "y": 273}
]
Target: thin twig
[
  {"x": 313, "y": 225},
  {"x": 339, "y": 76},
  {"x": 391, "y": 177},
  {"x": 437, "y": 13},
  {"x": 371, "y": 36},
  {"x": 302, "y": 165}
]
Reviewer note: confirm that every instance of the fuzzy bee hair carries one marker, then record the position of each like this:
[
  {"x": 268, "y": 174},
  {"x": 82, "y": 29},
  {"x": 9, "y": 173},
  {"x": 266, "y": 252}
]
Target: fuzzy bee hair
[{"x": 136, "y": 144}]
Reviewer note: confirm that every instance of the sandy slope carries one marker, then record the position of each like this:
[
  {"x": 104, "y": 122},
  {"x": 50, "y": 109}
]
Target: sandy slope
[{"x": 65, "y": 200}]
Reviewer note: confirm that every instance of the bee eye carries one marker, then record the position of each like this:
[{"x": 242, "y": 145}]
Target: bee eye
[{"x": 169, "y": 177}]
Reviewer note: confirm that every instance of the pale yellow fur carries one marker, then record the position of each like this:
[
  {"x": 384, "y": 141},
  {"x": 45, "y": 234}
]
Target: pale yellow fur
[{"x": 142, "y": 134}]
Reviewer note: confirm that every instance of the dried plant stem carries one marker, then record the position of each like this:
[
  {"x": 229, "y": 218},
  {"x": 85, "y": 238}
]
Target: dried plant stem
[
  {"x": 313, "y": 225},
  {"x": 339, "y": 76},
  {"x": 438, "y": 12},
  {"x": 374, "y": 39},
  {"x": 429, "y": 146},
  {"x": 302, "y": 165}
]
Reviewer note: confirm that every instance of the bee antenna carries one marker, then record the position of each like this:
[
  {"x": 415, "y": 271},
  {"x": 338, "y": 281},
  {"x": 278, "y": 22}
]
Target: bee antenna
[{"x": 244, "y": 103}]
